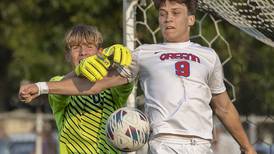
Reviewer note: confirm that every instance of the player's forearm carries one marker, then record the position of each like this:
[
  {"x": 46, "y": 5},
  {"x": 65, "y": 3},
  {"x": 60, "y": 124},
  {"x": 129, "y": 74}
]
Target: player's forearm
[
  {"x": 72, "y": 86},
  {"x": 230, "y": 118},
  {"x": 82, "y": 86}
]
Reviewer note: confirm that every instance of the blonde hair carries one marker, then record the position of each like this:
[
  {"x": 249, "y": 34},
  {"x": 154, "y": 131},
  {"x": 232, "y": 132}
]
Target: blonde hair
[{"x": 81, "y": 33}]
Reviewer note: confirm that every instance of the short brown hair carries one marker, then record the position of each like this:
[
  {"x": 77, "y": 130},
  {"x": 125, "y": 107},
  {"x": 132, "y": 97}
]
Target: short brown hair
[
  {"x": 190, "y": 4},
  {"x": 80, "y": 33}
]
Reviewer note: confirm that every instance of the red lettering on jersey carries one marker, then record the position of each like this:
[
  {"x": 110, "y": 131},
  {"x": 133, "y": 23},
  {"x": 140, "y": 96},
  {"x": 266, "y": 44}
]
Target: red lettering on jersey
[
  {"x": 184, "y": 56},
  {"x": 163, "y": 56}
]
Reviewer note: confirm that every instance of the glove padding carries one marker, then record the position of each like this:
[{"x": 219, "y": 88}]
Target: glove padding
[
  {"x": 93, "y": 68},
  {"x": 119, "y": 54}
]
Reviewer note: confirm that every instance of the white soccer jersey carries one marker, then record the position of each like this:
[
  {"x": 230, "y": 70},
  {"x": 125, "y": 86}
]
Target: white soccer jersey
[{"x": 178, "y": 80}]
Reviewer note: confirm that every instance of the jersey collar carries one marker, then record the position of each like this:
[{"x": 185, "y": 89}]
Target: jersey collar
[{"x": 179, "y": 44}]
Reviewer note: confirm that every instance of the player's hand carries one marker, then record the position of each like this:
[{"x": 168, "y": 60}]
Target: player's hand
[
  {"x": 93, "y": 68},
  {"x": 28, "y": 92},
  {"x": 119, "y": 54}
]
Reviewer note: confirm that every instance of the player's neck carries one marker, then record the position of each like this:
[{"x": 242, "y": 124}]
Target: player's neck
[
  {"x": 177, "y": 42},
  {"x": 181, "y": 40}
]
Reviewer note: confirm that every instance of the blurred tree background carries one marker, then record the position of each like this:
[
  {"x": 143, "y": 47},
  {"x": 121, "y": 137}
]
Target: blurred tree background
[
  {"x": 31, "y": 48},
  {"x": 32, "y": 33}
]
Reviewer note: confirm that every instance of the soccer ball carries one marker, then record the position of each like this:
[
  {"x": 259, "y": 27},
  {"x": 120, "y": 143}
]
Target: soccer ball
[{"x": 127, "y": 129}]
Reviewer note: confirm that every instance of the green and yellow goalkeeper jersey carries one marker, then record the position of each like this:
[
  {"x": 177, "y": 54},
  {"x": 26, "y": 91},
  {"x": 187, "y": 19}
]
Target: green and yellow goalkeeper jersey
[{"x": 81, "y": 120}]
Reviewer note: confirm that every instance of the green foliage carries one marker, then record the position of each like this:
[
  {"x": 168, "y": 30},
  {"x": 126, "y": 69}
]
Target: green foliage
[{"x": 32, "y": 34}]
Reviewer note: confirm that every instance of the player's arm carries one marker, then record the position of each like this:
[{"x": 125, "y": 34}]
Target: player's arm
[
  {"x": 28, "y": 92},
  {"x": 70, "y": 86},
  {"x": 228, "y": 115},
  {"x": 94, "y": 69},
  {"x": 82, "y": 86}
]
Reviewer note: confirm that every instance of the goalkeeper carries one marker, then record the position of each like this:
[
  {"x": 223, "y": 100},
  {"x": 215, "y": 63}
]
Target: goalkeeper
[{"x": 81, "y": 119}]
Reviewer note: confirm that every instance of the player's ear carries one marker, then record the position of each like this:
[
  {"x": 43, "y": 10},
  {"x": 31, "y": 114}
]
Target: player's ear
[
  {"x": 191, "y": 20},
  {"x": 100, "y": 50}
]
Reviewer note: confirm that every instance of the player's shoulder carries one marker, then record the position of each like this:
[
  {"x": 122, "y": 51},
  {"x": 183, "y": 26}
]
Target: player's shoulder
[
  {"x": 148, "y": 47},
  {"x": 201, "y": 48}
]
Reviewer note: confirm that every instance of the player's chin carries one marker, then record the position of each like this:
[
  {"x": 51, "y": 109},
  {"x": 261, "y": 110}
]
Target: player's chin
[{"x": 169, "y": 37}]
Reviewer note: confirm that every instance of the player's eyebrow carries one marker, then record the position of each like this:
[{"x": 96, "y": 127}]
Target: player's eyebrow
[
  {"x": 172, "y": 9},
  {"x": 162, "y": 10}
]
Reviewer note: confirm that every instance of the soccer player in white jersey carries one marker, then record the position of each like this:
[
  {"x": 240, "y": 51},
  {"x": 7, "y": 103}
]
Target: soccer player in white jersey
[{"x": 182, "y": 83}]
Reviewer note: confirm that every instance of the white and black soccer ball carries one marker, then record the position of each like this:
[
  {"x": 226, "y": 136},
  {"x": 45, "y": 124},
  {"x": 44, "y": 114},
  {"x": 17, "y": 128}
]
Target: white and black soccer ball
[{"x": 127, "y": 129}]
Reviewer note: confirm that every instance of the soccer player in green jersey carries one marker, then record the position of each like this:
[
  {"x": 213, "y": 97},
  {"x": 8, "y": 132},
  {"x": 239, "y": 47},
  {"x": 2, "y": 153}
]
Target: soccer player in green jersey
[{"x": 81, "y": 119}]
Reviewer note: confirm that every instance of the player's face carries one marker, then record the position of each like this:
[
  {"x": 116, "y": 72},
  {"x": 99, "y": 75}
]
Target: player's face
[
  {"x": 81, "y": 51},
  {"x": 175, "y": 22}
]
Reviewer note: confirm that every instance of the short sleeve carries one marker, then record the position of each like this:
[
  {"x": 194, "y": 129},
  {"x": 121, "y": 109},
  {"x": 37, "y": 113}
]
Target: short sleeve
[
  {"x": 57, "y": 101},
  {"x": 58, "y": 104},
  {"x": 216, "y": 80}
]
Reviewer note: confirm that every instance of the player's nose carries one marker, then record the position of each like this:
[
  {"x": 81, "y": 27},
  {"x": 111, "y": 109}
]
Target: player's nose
[
  {"x": 169, "y": 17},
  {"x": 84, "y": 52}
]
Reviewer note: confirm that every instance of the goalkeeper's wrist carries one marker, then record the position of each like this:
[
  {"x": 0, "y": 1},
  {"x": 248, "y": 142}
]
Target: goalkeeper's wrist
[{"x": 42, "y": 88}]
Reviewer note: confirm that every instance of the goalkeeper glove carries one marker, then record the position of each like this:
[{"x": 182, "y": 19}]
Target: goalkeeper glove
[
  {"x": 93, "y": 68},
  {"x": 119, "y": 54}
]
